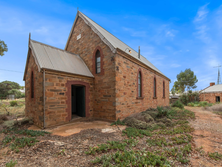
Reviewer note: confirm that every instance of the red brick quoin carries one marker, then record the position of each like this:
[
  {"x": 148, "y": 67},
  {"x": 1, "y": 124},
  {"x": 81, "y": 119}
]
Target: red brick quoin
[{"x": 69, "y": 97}]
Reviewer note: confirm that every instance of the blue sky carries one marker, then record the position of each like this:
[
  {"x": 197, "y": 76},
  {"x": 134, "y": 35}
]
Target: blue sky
[{"x": 173, "y": 35}]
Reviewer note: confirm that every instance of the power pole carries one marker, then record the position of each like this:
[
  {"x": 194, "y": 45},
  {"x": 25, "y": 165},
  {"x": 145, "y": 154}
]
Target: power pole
[{"x": 218, "y": 78}]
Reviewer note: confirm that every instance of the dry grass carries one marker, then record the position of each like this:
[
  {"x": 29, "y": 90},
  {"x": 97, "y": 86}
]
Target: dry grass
[
  {"x": 20, "y": 101},
  {"x": 17, "y": 111},
  {"x": 217, "y": 108}
]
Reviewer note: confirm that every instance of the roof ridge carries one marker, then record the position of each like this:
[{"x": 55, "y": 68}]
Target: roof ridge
[
  {"x": 53, "y": 47},
  {"x": 111, "y": 41},
  {"x": 111, "y": 34}
]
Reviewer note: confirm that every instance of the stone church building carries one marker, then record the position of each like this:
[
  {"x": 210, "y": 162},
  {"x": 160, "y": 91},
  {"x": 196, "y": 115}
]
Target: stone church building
[{"x": 96, "y": 75}]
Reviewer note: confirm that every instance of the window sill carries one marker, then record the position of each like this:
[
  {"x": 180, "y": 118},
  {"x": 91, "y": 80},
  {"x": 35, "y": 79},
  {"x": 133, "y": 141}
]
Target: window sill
[
  {"x": 163, "y": 97},
  {"x": 154, "y": 97},
  {"x": 140, "y": 98}
]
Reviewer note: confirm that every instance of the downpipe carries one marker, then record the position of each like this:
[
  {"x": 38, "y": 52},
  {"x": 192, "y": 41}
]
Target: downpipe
[{"x": 43, "y": 99}]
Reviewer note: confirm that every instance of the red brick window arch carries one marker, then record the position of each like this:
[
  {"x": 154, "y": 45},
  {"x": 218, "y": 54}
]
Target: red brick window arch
[
  {"x": 163, "y": 88},
  {"x": 139, "y": 84},
  {"x": 32, "y": 85},
  {"x": 154, "y": 87},
  {"x": 98, "y": 61}
]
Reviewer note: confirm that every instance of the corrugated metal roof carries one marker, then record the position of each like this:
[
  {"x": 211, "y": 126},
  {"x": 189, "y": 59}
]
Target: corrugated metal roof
[
  {"x": 52, "y": 58},
  {"x": 215, "y": 88},
  {"x": 112, "y": 41}
]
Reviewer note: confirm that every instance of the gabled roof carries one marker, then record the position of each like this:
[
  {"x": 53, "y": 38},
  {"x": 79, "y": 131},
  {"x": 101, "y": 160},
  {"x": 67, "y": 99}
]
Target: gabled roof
[
  {"x": 111, "y": 41},
  {"x": 212, "y": 89},
  {"x": 51, "y": 58}
]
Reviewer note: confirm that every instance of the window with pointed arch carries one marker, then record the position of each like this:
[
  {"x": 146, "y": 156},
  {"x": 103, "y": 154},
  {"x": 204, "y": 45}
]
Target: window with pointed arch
[
  {"x": 139, "y": 84},
  {"x": 32, "y": 85},
  {"x": 154, "y": 87},
  {"x": 98, "y": 62},
  {"x": 163, "y": 89}
]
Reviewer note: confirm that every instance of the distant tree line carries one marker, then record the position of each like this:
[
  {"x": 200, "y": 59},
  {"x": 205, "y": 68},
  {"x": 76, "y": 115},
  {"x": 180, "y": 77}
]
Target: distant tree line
[{"x": 10, "y": 88}]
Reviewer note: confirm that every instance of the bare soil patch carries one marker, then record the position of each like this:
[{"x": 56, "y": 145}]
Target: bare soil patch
[{"x": 207, "y": 134}]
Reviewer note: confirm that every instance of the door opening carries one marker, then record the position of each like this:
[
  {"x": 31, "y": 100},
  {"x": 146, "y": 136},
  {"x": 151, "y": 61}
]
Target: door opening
[
  {"x": 217, "y": 98},
  {"x": 78, "y": 101}
]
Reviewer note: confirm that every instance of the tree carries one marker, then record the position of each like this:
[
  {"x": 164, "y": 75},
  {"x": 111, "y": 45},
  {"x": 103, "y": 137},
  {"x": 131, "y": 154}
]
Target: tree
[
  {"x": 6, "y": 86},
  {"x": 15, "y": 92},
  {"x": 3, "y": 48},
  {"x": 185, "y": 80}
]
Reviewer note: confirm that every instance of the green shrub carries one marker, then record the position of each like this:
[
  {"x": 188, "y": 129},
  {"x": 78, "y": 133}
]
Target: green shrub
[
  {"x": 11, "y": 163},
  {"x": 186, "y": 98},
  {"x": 215, "y": 155},
  {"x": 191, "y": 104},
  {"x": 15, "y": 92},
  {"x": 118, "y": 122},
  {"x": 199, "y": 104},
  {"x": 13, "y": 103},
  {"x": 134, "y": 132},
  {"x": 162, "y": 112},
  {"x": 178, "y": 104},
  {"x": 22, "y": 95},
  {"x": 132, "y": 158}
]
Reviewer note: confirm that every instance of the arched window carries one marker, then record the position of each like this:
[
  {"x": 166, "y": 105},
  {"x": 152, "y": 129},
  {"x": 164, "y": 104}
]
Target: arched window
[
  {"x": 98, "y": 62},
  {"x": 163, "y": 88},
  {"x": 139, "y": 84},
  {"x": 154, "y": 87},
  {"x": 32, "y": 85}
]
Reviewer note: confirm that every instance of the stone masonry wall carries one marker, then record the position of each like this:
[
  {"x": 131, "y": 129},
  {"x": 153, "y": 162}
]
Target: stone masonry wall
[
  {"x": 127, "y": 102},
  {"x": 104, "y": 83},
  {"x": 57, "y": 109},
  {"x": 210, "y": 97},
  {"x": 34, "y": 106}
]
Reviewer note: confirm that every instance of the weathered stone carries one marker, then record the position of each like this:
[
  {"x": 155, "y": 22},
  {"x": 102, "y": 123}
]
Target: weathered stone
[{"x": 112, "y": 93}]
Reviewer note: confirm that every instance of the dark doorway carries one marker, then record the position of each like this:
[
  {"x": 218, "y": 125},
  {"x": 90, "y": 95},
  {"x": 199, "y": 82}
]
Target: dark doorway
[
  {"x": 78, "y": 101},
  {"x": 217, "y": 98}
]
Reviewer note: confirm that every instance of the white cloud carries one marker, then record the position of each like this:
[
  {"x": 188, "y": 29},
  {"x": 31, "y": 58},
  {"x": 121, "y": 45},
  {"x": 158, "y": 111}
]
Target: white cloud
[
  {"x": 169, "y": 34},
  {"x": 135, "y": 33},
  {"x": 201, "y": 13},
  {"x": 201, "y": 25},
  {"x": 174, "y": 65}
]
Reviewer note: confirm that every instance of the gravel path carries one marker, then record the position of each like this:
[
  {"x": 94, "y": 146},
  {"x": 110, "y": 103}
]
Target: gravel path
[{"x": 207, "y": 134}]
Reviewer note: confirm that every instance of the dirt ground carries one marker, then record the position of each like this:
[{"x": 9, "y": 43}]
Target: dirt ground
[
  {"x": 66, "y": 146},
  {"x": 78, "y": 126},
  {"x": 57, "y": 151},
  {"x": 207, "y": 134}
]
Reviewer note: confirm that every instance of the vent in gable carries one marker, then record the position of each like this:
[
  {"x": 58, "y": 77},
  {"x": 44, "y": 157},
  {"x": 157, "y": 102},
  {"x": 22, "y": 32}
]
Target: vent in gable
[{"x": 79, "y": 36}]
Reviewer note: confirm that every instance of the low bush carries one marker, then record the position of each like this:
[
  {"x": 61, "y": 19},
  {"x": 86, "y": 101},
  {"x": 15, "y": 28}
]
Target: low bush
[
  {"x": 186, "y": 98},
  {"x": 13, "y": 103},
  {"x": 3, "y": 118},
  {"x": 22, "y": 142},
  {"x": 215, "y": 155},
  {"x": 199, "y": 104},
  {"x": 162, "y": 112},
  {"x": 11, "y": 163},
  {"x": 215, "y": 108},
  {"x": 132, "y": 158},
  {"x": 178, "y": 104},
  {"x": 134, "y": 132},
  {"x": 27, "y": 132}
]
